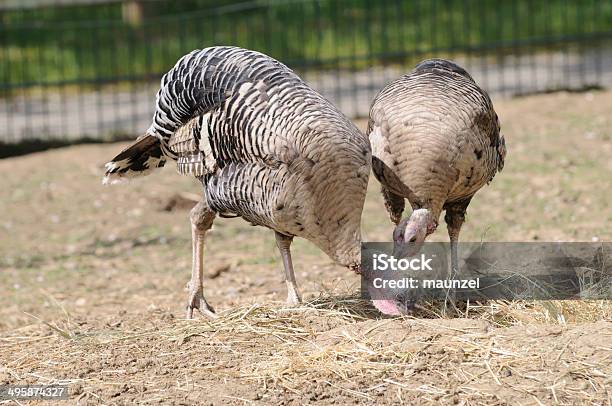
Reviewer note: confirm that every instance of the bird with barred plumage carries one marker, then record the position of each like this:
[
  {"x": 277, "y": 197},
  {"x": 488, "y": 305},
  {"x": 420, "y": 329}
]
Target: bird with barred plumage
[
  {"x": 435, "y": 141},
  {"x": 265, "y": 146}
]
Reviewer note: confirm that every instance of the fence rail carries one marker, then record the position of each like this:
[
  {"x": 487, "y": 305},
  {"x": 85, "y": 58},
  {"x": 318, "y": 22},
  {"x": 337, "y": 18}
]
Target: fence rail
[{"x": 96, "y": 77}]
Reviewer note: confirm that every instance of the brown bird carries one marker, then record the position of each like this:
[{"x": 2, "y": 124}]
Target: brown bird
[
  {"x": 435, "y": 141},
  {"x": 265, "y": 146}
]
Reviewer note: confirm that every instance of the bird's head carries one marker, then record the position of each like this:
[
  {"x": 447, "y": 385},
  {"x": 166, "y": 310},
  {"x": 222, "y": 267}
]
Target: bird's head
[{"x": 409, "y": 235}]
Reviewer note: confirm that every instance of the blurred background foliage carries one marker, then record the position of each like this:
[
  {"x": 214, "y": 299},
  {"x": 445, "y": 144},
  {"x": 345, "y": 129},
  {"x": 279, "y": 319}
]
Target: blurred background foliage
[{"x": 97, "y": 43}]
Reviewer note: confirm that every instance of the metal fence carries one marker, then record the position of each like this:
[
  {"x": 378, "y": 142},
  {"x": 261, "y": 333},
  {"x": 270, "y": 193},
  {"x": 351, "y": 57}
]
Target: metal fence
[{"x": 97, "y": 76}]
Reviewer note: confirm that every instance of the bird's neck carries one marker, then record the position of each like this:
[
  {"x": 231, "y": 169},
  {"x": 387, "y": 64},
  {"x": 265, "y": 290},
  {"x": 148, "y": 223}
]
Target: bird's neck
[{"x": 345, "y": 249}]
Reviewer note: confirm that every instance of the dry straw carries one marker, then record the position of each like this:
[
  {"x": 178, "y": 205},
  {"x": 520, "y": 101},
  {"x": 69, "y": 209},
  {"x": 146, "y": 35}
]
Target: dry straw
[{"x": 342, "y": 343}]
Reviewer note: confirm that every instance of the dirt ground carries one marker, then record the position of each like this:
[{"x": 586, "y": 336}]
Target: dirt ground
[{"x": 92, "y": 283}]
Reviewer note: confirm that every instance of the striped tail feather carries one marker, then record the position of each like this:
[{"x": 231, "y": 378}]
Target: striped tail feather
[{"x": 139, "y": 159}]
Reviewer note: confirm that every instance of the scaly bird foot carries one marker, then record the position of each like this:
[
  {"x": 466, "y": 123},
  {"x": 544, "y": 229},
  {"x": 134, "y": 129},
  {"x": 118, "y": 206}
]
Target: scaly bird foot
[{"x": 197, "y": 301}]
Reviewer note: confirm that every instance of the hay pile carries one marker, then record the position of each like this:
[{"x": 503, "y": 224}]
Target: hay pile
[{"x": 335, "y": 349}]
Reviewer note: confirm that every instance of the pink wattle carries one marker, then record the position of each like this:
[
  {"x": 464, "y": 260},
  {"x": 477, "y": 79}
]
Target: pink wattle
[{"x": 387, "y": 307}]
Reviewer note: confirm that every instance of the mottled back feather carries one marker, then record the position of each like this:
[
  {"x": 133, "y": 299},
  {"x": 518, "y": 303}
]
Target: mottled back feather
[
  {"x": 435, "y": 137},
  {"x": 266, "y": 146}
]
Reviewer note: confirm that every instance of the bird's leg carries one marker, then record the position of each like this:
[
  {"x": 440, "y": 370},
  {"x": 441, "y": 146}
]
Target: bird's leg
[
  {"x": 283, "y": 242},
  {"x": 455, "y": 216},
  {"x": 202, "y": 218}
]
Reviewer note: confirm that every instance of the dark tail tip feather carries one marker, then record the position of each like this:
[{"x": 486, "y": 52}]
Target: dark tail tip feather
[{"x": 139, "y": 159}]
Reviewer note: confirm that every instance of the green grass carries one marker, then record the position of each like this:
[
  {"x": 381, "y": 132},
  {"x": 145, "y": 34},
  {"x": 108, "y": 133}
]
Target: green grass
[{"x": 56, "y": 47}]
